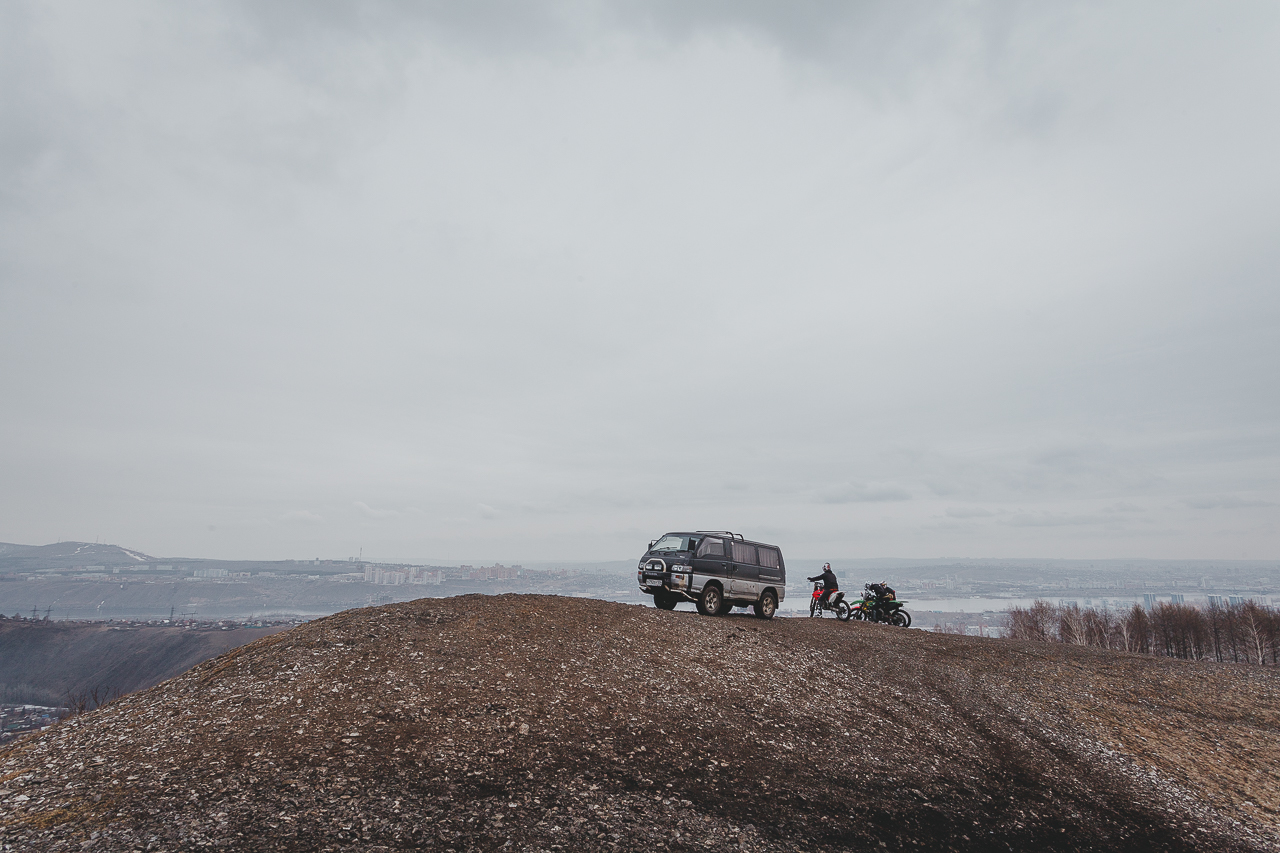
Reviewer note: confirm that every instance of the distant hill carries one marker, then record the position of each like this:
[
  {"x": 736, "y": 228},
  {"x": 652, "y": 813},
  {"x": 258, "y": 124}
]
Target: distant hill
[
  {"x": 66, "y": 555},
  {"x": 42, "y": 663},
  {"x": 541, "y": 723}
]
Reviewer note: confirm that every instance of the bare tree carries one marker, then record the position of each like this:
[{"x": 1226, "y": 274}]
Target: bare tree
[
  {"x": 1254, "y": 633},
  {"x": 88, "y": 700},
  {"x": 1071, "y": 627},
  {"x": 1099, "y": 627},
  {"x": 1036, "y": 622},
  {"x": 1248, "y": 633},
  {"x": 1139, "y": 629}
]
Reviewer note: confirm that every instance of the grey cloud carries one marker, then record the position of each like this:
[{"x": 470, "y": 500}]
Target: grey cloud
[
  {"x": 1048, "y": 519},
  {"x": 874, "y": 34},
  {"x": 969, "y": 512},
  {"x": 864, "y": 494},
  {"x": 369, "y": 512},
  {"x": 597, "y": 264},
  {"x": 486, "y": 25},
  {"x": 300, "y": 515},
  {"x": 1122, "y": 506},
  {"x": 1083, "y": 467},
  {"x": 1225, "y": 502}
]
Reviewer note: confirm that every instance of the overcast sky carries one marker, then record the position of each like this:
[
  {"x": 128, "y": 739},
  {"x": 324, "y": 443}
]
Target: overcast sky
[{"x": 520, "y": 281}]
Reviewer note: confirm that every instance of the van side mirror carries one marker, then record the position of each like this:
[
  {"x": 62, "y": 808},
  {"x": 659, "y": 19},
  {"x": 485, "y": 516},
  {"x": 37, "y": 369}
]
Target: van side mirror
[{"x": 653, "y": 542}]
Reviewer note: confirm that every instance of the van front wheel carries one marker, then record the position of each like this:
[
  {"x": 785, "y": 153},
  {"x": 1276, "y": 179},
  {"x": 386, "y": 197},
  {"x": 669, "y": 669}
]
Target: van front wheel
[
  {"x": 709, "y": 604},
  {"x": 767, "y": 605},
  {"x": 664, "y": 601}
]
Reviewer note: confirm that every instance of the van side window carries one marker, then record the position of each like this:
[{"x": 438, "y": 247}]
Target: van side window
[
  {"x": 768, "y": 557},
  {"x": 744, "y": 553},
  {"x": 711, "y": 547}
]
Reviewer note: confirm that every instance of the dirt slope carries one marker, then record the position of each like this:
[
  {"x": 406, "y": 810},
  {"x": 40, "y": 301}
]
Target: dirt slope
[
  {"x": 537, "y": 723},
  {"x": 42, "y": 663}
]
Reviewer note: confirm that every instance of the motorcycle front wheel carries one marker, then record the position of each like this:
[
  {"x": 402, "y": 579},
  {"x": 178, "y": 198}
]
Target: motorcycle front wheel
[{"x": 813, "y": 608}]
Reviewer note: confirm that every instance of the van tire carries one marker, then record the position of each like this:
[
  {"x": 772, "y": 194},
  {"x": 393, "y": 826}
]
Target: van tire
[
  {"x": 767, "y": 605},
  {"x": 711, "y": 602}
]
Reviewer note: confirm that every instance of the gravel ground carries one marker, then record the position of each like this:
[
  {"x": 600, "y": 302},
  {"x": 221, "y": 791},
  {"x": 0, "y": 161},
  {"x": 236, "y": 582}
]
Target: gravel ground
[{"x": 542, "y": 723}]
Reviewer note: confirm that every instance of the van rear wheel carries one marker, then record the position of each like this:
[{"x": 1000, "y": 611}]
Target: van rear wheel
[
  {"x": 767, "y": 605},
  {"x": 711, "y": 601}
]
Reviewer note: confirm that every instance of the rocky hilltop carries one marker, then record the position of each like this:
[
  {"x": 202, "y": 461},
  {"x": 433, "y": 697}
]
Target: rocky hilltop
[{"x": 542, "y": 723}]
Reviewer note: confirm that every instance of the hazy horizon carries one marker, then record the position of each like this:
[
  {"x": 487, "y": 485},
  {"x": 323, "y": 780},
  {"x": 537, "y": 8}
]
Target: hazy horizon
[
  {"x": 547, "y": 280},
  {"x": 794, "y": 561}
]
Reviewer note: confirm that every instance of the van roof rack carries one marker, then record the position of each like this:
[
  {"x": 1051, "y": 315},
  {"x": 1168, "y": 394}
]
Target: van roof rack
[{"x": 724, "y": 532}]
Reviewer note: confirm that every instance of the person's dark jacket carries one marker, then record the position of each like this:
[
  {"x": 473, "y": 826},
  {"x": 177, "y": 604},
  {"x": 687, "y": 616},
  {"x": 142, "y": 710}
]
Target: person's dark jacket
[
  {"x": 883, "y": 592},
  {"x": 828, "y": 579}
]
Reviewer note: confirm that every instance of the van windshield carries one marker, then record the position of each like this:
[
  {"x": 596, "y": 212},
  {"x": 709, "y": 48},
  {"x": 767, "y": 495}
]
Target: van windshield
[{"x": 671, "y": 542}]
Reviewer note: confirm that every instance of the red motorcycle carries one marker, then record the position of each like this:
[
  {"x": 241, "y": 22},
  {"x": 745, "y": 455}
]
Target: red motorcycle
[{"x": 834, "y": 602}]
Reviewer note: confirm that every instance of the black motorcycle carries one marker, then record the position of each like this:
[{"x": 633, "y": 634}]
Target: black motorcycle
[{"x": 889, "y": 611}]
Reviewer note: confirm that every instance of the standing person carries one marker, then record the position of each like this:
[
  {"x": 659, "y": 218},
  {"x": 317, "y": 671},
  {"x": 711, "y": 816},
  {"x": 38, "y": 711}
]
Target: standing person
[{"x": 829, "y": 583}]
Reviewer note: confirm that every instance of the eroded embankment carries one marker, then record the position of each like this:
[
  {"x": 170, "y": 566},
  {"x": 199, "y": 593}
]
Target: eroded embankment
[{"x": 50, "y": 663}]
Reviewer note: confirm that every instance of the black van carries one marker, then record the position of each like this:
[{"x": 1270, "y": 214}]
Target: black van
[{"x": 715, "y": 569}]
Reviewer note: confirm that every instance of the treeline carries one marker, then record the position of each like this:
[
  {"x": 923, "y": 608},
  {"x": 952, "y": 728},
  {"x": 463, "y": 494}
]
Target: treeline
[{"x": 1239, "y": 633}]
